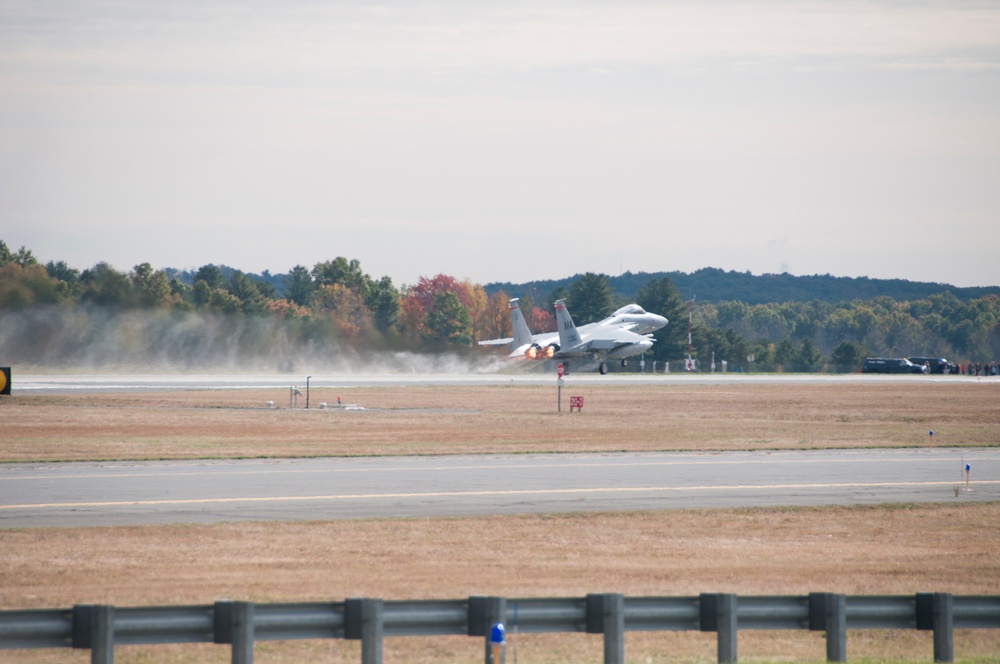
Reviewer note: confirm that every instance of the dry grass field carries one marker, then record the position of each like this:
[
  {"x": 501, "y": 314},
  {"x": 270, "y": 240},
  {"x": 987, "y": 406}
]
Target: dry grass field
[
  {"x": 866, "y": 550},
  {"x": 896, "y": 549},
  {"x": 447, "y": 420}
]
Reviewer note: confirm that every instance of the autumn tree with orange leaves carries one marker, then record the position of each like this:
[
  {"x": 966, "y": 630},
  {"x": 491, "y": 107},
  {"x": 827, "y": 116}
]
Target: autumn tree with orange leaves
[
  {"x": 420, "y": 301},
  {"x": 495, "y": 320},
  {"x": 346, "y": 309}
]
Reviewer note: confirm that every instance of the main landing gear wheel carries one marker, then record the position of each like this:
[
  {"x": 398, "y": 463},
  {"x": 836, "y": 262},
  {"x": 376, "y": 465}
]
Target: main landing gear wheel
[
  {"x": 624, "y": 362},
  {"x": 603, "y": 368}
]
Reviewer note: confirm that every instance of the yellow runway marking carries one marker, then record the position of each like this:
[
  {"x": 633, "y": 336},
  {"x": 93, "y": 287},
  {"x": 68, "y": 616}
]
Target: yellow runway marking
[{"x": 461, "y": 494}]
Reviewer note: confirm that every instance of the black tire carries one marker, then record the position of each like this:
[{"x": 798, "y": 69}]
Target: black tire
[{"x": 603, "y": 368}]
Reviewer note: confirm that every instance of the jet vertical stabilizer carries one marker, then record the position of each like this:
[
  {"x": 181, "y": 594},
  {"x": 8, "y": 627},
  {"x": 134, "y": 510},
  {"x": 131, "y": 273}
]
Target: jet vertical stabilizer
[
  {"x": 569, "y": 338},
  {"x": 522, "y": 334}
]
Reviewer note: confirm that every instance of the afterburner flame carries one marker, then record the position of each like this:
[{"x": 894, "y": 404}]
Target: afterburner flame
[{"x": 536, "y": 353}]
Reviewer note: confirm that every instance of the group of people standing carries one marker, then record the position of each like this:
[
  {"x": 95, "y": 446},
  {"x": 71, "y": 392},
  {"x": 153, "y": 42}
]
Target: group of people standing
[{"x": 979, "y": 369}]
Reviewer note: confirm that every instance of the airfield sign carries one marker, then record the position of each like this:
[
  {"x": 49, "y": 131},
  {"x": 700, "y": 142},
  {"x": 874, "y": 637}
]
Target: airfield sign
[{"x": 560, "y": 370}]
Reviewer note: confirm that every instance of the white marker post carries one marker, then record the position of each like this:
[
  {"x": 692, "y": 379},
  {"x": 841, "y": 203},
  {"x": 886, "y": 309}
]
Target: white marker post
[{"x": 560, "y": 369}]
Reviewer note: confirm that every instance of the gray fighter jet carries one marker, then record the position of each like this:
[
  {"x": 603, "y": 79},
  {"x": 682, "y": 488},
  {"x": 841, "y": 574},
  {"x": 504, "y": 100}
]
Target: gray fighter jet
[{"x": 618, "y": 337}]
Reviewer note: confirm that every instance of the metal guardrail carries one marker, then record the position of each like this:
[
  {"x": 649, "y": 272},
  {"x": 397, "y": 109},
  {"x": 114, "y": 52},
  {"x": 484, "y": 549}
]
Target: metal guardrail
[{"x": 100, "y": 628}]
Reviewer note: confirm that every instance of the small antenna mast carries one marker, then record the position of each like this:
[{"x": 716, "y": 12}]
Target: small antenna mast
[{"x": 690, "y": 364}]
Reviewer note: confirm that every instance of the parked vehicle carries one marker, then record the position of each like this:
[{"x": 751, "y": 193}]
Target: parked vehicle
[
  {"x": 935, "y": 365},
  {"x": 891, "y": 365}
]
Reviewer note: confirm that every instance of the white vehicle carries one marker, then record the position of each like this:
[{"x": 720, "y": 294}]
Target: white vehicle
[{"x": 623, "y": 334}]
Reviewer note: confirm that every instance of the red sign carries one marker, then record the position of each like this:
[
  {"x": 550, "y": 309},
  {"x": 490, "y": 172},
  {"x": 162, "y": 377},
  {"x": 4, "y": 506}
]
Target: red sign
[
  {"x": 559, "y": 370},
  {"x": 575, "y": 402}
]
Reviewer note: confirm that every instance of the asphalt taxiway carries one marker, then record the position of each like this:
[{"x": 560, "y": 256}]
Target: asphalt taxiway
[{"x": 131, "y": 493}]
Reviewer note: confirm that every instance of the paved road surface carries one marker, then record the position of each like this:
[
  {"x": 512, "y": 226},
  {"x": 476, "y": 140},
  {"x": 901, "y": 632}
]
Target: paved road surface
[
  {"x": 96, "y": 383},
  {"x": 91, "y": 494}
]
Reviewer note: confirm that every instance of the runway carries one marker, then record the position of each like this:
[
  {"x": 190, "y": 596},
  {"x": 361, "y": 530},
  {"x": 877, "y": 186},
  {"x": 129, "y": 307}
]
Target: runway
[
  {"x": 131, "y": 493},
  {"x": 97, "y": 383}
]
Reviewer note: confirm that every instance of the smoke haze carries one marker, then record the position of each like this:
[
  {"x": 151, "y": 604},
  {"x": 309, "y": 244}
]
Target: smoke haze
[{"x": 90, "y": 339}]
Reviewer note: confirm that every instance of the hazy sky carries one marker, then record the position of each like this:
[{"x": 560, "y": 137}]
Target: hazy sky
[{"x": 505, "y": 141}]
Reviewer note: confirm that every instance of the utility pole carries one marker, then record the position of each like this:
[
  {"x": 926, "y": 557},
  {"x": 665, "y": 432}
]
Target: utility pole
[{"x": 689, "y": 364}]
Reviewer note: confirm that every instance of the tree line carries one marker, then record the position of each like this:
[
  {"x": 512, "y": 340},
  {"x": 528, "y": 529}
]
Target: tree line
[
  {"x": 715, "y": 285},
  {"x": 56, "y": 314}
]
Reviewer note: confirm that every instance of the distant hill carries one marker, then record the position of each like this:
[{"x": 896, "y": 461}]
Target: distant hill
[
  {"x": 277, "y": 281},
  {"x": 715, "y": 285}
]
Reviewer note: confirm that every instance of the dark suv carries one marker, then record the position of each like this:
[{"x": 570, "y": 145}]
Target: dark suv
[
  {"x": 891, "y": 365},
  {"x": 935, "y": 365}
]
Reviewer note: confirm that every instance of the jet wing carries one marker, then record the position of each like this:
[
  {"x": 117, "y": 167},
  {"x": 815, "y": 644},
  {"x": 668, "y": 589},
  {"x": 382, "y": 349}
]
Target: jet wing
[
  {"x": 601, "y": 345},
  {"x": 608, "y": 340},
  {"x": 497, "y": 342}
]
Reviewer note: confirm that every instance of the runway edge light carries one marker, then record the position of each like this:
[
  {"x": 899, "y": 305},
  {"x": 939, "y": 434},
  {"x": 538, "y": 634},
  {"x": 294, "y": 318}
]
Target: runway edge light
[{"x": 4, "y": 380}]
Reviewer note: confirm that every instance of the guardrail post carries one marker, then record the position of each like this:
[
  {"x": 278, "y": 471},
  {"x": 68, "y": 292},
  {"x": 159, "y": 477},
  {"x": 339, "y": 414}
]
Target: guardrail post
[
  {"x": 606, "y": 615},
  {"x": 364, "y": 619},
  {"x": 934, "y": 611},
  {"x": 718, "y": 614},
  {"x": 828, "y": 612},
  {"x": 243, "y": 615},
  {"x": 728, "y": 628},
  {"x": 836, "y": 628},
  {"x": 496, "y": 612},
  {"x": 234, "y": 625},
  {"x": 943, "y": 620},
  {"x": 94, "y": 628}
]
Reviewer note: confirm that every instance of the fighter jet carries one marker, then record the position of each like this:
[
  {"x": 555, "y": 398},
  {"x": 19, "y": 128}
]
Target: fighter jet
[{"x": 623, "y": 334}]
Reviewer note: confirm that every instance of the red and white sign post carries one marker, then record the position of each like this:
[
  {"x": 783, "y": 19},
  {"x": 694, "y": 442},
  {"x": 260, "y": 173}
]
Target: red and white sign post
[{"x": 560, "y": 370}]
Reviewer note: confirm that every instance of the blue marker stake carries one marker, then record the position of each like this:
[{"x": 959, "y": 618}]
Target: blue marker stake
[
  {"x": 497, "y": 641},
  {"x": 968, "y": 468}
]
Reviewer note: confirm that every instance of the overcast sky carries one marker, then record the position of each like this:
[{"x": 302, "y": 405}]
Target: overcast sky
[{"x": 505, "y": 141}]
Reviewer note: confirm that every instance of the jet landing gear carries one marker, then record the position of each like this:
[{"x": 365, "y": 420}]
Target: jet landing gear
[{"x": 603, "y": 366}]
